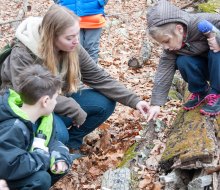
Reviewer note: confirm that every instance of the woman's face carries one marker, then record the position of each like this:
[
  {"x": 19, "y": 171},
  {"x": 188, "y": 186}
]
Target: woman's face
[
  {"x": 172, "y": 42},
  {"x": 69, "y": 39}
]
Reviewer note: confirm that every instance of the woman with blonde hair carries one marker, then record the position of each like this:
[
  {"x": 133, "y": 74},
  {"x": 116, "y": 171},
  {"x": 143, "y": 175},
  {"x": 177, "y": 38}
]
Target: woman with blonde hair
[{"x": 53, "y": 41}]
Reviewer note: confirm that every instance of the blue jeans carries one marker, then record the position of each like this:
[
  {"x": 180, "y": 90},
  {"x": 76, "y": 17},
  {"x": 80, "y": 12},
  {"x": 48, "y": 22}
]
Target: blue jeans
[
  {"x": 89, "y": 39},
  {"x": 197, "y": 70},
  {"x": 98, "y": 108}
]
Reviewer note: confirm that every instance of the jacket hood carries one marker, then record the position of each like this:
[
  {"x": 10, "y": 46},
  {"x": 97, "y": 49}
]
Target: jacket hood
[
  {"x": 10, "y": 103},
  {"x": 164, "y": 12},
  {"x": 28, "y": 33}
]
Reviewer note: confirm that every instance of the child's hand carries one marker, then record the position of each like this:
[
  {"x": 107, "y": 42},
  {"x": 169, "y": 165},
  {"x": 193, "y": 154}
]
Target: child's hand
[
  {"x": 153, "y": 112},
  {"x": 3, "y": 185},
  {"x": 59, "y": 167},
  {"x": 74, "y": 123},
  {"x": 213, "y": 44},
  {"x": 143, "y": 107}
]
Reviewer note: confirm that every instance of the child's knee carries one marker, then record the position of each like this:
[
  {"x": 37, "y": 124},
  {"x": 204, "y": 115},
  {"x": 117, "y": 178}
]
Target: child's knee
[
  {"x": 181, "y": 62},
  {"x": 215, "y": 55},
  {"x": 43, "y": 179},
  {"x": 186, "y": 62}
]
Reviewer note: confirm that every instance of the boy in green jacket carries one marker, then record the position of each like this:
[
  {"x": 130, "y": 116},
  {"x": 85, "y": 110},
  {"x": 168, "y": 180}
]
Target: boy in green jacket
[{"x": 30, "y": 155}]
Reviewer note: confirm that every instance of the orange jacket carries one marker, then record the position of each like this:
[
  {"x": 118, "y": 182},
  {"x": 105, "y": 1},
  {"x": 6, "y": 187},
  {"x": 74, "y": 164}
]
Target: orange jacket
[{"x": 92, "y": 21}]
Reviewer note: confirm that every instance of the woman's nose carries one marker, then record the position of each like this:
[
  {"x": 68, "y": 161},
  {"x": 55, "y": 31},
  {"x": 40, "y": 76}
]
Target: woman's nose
[{"x": 76, "y": 40}]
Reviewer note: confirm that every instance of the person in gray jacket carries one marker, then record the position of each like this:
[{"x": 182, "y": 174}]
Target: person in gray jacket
[
  {"x": 53, "y": 41},
  {"x": 188, "y": 50}
]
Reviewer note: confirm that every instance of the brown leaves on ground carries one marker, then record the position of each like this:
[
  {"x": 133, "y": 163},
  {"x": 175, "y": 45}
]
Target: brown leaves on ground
[{"x": 122, "y": 39}]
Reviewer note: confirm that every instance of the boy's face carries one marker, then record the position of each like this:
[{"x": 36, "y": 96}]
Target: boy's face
[
  {"x": 50, "y": 104},
  {"x": 172, "y": 42},
  {"x": 68, "y": 41}
]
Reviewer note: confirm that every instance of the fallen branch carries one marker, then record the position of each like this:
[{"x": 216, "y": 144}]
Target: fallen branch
[
  {"x": 125, "y": 13},
  {"x": 213, "y": 170},
  {"x": 22, "y": 12},
  {"x": 20, "y": 15},
  {"x": 10, "y": 21},
  {"x": 189, "y": 4}
]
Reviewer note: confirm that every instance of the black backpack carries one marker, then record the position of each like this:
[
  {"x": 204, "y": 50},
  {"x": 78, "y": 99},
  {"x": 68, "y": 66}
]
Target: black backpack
[{"x": 4, "y": 53}]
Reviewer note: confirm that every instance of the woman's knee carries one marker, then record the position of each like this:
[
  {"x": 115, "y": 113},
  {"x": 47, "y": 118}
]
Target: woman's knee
[
  {"x": 102, "y": 108},
  {"x": 90, "y": 98},
  {"x": 61, "y": 129},
  {"x": 108, "y": 106}
]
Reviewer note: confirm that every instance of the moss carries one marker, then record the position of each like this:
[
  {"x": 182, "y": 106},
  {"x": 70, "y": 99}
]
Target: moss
[
  {"x": 207, "y": 7},
  {"x": 218, "y": 126},
  {"x": 211, "y": 6},
  {"x": 218, "y": 120},
  {"x": 129, "y": 155},
  {"x": 188, "y": 138},
  {"x": 173, "y": 95}
]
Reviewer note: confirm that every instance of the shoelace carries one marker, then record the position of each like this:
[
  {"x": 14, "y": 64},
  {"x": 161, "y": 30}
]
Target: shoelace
[
  {"x": 194, "y": 95},
  {"x": 212, "y": 98}
]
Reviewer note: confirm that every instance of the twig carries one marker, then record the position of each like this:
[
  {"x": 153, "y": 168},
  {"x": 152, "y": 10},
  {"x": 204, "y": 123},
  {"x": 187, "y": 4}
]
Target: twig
[
  {"x": 20, "y": 15},
  {"x": 213, "y": 170},
  {"x": 189, "y": 4},
  {"x": 109, "y": 15},
  {"x": 10, "y": 21}
]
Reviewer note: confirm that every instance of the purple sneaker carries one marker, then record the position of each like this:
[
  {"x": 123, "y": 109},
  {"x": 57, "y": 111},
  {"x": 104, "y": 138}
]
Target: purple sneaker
[
  {"x": 194, "y": 101},
  {"x": 212, "y": 107}
]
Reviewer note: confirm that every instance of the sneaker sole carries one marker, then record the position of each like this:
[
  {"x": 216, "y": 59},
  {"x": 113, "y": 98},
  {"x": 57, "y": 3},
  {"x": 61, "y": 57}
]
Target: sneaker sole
[
  {"x": 192, "y": 108},
  {"x": 209, "y": 114}
]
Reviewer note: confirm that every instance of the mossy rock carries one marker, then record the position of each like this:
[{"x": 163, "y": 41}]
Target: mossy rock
[
  {"x": 191, "y": 138},
  {"x": 212, "y": 6}
]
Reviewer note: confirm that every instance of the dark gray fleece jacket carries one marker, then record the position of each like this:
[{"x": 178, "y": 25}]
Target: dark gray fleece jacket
[{"x": 164, "y": 12}]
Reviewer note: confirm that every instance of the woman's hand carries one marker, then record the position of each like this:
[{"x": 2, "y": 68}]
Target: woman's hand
[
  {"x": 213, "y": 44},
  {"x": 143, "y": 107},
  {"x": 153, "y": 112}
]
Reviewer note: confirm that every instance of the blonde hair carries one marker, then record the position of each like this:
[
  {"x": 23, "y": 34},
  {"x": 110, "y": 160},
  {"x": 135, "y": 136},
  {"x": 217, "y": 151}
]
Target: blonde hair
[
  {"x": 55, "y": 22},
  {"x": 157, "y": 32}
]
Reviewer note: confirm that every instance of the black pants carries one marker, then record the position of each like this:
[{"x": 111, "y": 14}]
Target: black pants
[{"x": 41, "y": 180}]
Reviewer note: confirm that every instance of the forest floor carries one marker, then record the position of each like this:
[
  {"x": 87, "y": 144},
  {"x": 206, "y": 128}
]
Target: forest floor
[{"x": 121, "y": 40}]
